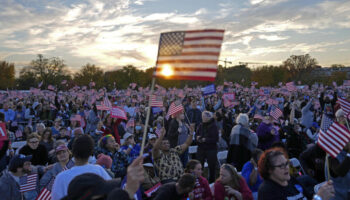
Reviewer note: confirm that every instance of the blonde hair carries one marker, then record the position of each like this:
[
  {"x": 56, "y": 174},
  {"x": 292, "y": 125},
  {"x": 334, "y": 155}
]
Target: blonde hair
[{"x": 33, "y": 135}]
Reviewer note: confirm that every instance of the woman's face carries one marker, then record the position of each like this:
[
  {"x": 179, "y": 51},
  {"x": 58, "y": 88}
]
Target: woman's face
[
  {"x": 280, "y": 169},
  {"x": 111, "y": 144},
  {"x": 62, "y": 156},
  {"x": 99, "y": 125},
  {"x": 198, "y": 170},
  {"x": 40, "y": 129},
  {"x": 46, "y": 135},
  {"x": 33, "y": 143},
  {"x": 225, "y": 176}
]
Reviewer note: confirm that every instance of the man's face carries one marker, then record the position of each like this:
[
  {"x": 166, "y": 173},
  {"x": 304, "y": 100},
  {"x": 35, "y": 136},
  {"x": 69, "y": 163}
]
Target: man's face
[{"x": 27, "y": 167}]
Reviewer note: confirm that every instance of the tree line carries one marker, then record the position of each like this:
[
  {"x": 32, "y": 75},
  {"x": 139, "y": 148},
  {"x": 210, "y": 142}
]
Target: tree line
[{"x": 53, "y": 71}]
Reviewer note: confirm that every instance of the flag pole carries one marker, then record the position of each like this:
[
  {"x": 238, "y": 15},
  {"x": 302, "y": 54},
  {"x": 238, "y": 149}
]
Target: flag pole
[
  {"x": 147, "y": 116},
  {"x": 328, "y": 172}
]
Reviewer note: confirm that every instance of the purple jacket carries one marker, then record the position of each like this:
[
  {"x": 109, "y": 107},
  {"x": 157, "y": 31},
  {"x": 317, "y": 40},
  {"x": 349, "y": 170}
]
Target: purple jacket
[{"x": 266, "y": 139}]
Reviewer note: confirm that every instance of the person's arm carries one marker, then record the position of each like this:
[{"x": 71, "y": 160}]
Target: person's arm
[
  {"x": 307, "y": 106},
  {"x": 135, "y": 176},
  {"x": 244, "y": 190},
  {"x": 155, "y": 150},
  {"x": 340, "y": 169},
  {"x": 218, "y": 104},
  {"x": 253, "y": 177}
]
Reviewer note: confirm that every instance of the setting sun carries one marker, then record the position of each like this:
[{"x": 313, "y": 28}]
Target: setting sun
[{"x": 167, "y": 70}]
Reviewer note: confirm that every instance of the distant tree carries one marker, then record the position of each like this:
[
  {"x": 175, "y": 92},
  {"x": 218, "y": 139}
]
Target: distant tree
[
  {"x": 89, "y": 73},
  {"x": 7, "y": 77},
  {"x": 297, "y": 64},
  {"x": 26, "y": 79},
  {"x": 52, "y": 71}
]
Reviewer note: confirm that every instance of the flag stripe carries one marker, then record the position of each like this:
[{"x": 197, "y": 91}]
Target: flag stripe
[
  {"x": 190, "y": 53},
  {"x": 197, "y": 78},
  {"x": 186, "y": 65},
  {"x": 189, "y": 38},
  {"x": 206, "y": 31},
  {"x": 193, "y": 74},
  {"x": 164, "y": 61},
  {"x": 190, "y": 42},
  {"x": 199, "y": 46},
  {"x": 175, "y": 69}
]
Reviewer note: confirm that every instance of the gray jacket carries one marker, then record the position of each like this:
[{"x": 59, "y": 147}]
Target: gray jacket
[
  {"x": 50, "y": 174},
  {"x": 9, "y": 188},
  {"x": 92, "y": 121}
]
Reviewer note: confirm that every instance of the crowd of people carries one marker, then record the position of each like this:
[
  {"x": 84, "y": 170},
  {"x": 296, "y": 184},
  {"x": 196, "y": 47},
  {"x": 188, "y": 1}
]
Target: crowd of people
[{"x": 69, "y": 144}]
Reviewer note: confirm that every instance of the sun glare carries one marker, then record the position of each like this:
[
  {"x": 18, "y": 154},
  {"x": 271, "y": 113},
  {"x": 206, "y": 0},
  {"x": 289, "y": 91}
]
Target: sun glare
[{"x": 167, "y": 71}]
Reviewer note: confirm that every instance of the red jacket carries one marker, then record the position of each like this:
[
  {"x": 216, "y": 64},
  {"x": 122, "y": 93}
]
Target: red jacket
[
  {"x": 202, "y": 190},
  {"x": 220, "y": 193}
]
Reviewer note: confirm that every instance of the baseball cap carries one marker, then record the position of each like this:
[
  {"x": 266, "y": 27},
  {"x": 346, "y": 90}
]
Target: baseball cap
[
  {"x": 151, "y": 136},
  {"x": 87, "y": 185},
  {"x": 18, "y": 161},
  {"x": 61, "y": 147},
  {"x": 127, "y": 135}
]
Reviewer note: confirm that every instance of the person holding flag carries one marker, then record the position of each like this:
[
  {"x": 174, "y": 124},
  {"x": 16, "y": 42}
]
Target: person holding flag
[
  {"x": 64, "y": 162},
  {"x": 340, "y": 166},
  {"x": 10, "y": 188}
]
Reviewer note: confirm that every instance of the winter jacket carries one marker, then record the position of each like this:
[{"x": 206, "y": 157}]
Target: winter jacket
[
  {"x": 210, "y": 132},
  {"x": 242, "y": 144},
  {"x": 220, "y": 193}
]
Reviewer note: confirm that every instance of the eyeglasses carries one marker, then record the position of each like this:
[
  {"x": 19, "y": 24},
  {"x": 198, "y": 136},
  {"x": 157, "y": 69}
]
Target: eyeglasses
[
  {"x": 283, "y": 165},
  {"x": 34, "y": 142}
]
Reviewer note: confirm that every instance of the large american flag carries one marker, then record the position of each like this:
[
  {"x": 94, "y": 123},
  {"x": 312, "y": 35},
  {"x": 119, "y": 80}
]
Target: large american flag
[
  {"x": 192, "y": 55},
  {"x": 174, "y": 108},
  {"x": 156, "y": 101},
  {"x": 28, "y": 183},
  {"x": 345, "y": 105},
  {"x": 334, "y": 139}
]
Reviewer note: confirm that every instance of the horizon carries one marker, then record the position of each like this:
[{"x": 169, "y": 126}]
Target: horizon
[{"x": 112, "y": 34}]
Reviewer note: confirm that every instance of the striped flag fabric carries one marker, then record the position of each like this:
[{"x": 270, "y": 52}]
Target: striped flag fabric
[
  {"x": 45, "y": 194},
  {"x": 276, "y": 113},
  {"x": 291, "y": 86},
  {"x": 189, "y": 55},
  {"x": 345, "y": 105},
  {"x": 117, "y": 112},
  {"x": 174, "y": 108},
  {"x": 208, "y": 90},
  {"x": 28, "y": 183},
  {"x": 334, "y": 139},
  {"x": 346, "y": 83},
  {"x": 326, "y": 122},
  {"x": 130, "y": 123},
  {"x": 106, "y": 102},
  {"x": 156, "y": 101}
]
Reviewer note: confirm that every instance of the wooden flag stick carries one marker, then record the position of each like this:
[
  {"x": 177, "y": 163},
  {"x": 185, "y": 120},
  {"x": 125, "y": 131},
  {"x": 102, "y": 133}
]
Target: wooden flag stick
[
  {"x": 147, "y": 117},
  {"x": 328, "y": 172}
]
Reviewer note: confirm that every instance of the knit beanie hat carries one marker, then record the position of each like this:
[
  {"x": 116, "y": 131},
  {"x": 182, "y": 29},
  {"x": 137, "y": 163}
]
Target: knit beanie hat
[{"x": 104, "y": 160}]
